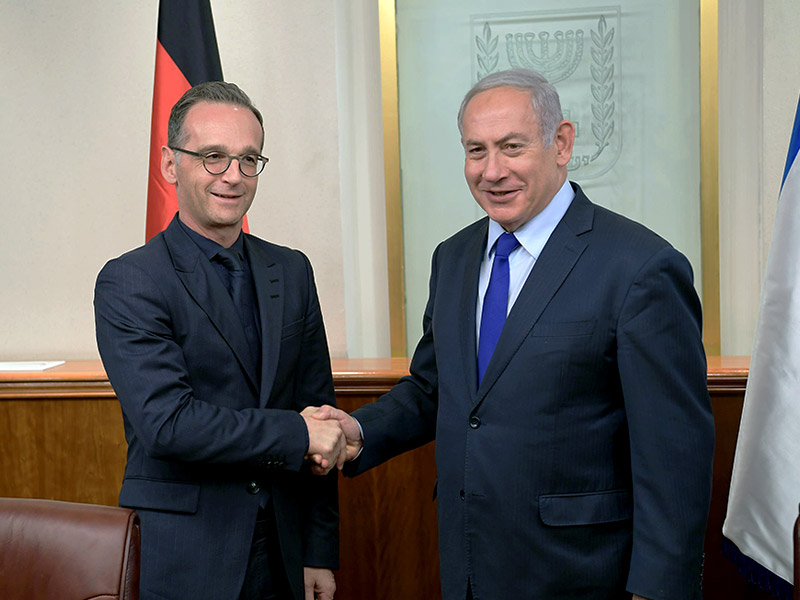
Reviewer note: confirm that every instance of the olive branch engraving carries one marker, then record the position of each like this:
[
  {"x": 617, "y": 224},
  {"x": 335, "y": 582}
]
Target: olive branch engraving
[
  {"x": 602, "y": 70},
  {"x": 487, "y": 52}
]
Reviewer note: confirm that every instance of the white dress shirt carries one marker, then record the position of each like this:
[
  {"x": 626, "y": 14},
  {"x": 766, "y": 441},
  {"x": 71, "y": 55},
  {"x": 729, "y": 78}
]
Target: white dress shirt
[{"x": 532, "y": 237}]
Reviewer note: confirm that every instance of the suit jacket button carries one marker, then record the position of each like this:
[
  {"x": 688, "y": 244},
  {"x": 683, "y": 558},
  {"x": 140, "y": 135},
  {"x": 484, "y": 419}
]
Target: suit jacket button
[
  {"x": 253, "y": 487},
  {"x": 474, "y": 422}
]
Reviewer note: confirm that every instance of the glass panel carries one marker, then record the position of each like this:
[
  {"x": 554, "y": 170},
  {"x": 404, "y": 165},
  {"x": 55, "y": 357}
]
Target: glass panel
[{"x": 628, "y": 76}]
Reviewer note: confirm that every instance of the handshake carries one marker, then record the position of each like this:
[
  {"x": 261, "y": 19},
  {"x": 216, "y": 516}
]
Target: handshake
[{"x": 333, "y": 437}]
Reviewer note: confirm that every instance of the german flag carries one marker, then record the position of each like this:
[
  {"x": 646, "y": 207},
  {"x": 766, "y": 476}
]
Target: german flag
[{"x": 186, "y": 54}]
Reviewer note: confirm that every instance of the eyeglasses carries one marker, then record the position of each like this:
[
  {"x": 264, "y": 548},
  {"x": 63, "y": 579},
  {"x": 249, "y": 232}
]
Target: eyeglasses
[{"x": 216, "y": 163}]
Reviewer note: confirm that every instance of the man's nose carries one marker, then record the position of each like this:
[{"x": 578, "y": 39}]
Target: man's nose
[
  {"x": 232, "y": 174},
  {"x": 495, "y": 167}
]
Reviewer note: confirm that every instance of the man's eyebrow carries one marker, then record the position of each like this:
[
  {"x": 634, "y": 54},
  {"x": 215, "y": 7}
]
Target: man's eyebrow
[
  {"x": 221, "y": 148},
  {"x": 512, "y": 136},
  {"x": 506, "y": 138}
]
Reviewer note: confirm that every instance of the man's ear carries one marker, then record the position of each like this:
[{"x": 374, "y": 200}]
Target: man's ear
[
  {"x": 564, "y": 140},
  {"x": 169, "y": 165}
]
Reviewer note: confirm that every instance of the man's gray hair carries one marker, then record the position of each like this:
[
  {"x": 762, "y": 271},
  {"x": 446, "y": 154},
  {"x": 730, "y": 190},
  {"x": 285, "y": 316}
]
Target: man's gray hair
[
  {"x": 544, "y": 97},
  {"x": 211, "y": 91}
]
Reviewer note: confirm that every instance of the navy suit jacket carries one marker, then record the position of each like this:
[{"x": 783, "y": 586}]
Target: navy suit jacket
[
  {"x": 581, "y": 466},
  {"x": 206, "y": 443}
]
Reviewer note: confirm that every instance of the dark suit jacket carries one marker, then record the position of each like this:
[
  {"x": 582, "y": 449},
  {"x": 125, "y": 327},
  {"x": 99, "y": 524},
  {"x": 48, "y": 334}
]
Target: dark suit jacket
[
  {"x": 582, "y": 464},
  {"x": 206, "y": 443}
]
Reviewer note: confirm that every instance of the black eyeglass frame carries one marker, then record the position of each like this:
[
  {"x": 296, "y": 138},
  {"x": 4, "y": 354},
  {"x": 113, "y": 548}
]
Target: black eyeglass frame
[{"x": 230, "y": 157}]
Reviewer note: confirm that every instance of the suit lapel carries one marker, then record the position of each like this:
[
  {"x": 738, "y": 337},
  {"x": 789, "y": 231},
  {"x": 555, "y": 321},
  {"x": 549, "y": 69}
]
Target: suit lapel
[
  {"x": 557, "y": 259},
  {"x": 268, "y": 280},
  {"x": 208, "y": 291},
  {"x": 470, "y": 268}
]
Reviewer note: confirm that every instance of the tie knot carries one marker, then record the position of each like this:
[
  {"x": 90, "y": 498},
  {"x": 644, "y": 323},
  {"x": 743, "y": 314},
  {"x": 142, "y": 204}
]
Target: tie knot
[
  {"x": 229, "y": 258},
  {"x": 505, "y": 245}
]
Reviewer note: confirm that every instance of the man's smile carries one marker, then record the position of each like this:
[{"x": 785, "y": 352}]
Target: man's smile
[
  {"x": 499, "y": 194},
  {"x": 227, "y": 196}
]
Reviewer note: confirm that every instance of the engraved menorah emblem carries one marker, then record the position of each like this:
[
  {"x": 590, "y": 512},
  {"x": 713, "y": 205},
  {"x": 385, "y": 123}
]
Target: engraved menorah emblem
[
  {"x": 556, "y": 65},
  {"x": 558, "y": 55}
]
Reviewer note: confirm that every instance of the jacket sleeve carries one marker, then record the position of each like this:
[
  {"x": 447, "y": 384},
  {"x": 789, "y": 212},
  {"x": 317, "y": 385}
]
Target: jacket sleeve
[
  {"x": 405, "y": 417},
  {"x": 663, "y": 375},
  {"x": 314, "y": 386}
]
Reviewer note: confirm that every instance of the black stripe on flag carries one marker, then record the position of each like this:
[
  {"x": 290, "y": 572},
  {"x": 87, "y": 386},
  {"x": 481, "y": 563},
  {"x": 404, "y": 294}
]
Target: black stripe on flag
[{"x": 186, "y": 31}]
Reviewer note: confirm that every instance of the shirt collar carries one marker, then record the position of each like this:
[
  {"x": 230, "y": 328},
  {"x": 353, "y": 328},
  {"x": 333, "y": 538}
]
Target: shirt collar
[
  {"x": 210, "y": 247},
  {"x": 533, "y": 235}
]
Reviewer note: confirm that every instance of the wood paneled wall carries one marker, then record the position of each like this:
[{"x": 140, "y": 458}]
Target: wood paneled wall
[{"x": 61, "y": 437}]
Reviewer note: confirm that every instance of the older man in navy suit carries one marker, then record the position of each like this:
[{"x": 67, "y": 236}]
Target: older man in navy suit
[
  {"x": 214, "y": 343},
  {"x": 561, "y": 372}
]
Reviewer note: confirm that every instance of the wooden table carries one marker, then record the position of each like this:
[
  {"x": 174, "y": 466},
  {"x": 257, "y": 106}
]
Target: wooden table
[{"x": 62, "y": 438}]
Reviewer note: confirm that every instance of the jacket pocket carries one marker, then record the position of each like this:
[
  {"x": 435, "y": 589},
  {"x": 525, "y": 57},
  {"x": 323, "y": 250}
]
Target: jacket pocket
[
  {"x": 159, "y": 494},
  {"x": 586, "y": 509},
  {"x": 293, "y": 328},
  {"x": 563, "y": 329}
]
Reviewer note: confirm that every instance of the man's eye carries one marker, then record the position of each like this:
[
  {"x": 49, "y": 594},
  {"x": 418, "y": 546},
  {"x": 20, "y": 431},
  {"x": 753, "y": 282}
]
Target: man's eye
[
  {"x": 215, "y": 157},
  {"x": 250, "y": 159}
]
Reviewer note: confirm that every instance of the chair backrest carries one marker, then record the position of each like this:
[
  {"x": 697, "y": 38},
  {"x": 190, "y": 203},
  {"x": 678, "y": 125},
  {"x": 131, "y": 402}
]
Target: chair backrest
[{"x": 66, "y": 550}]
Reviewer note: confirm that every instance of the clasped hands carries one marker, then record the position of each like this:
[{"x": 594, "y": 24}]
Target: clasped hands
[{"x": 333, "y": 437}]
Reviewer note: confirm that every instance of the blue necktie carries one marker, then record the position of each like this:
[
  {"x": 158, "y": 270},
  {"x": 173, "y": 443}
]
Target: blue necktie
[
  {"x": 231, "y": 260},
  {"x": 242, "y": 297},
  {"x": 495, "y": 302}
]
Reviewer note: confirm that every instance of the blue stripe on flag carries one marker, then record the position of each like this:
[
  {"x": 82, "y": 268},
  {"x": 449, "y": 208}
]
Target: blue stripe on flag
[{"x": 794, "y": 144}]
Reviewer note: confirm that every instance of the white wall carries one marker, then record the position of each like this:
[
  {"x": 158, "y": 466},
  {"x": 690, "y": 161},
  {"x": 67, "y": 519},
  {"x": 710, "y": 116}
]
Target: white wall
[
  {"x": 759, "y": 81},
  {"x": 75, "y": 121},
  {"x": 75, "y": 118},
  {"x": 362, "y": 182},
  {"x": 741, "y": 163}
]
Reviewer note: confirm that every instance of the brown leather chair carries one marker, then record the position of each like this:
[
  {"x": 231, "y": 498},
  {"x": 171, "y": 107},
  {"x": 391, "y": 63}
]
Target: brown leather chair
[{"x": 69, "y": 551}]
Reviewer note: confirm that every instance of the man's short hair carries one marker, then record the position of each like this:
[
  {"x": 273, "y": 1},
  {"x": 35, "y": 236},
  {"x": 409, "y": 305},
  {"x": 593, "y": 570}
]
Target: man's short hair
[
  {"x": 544, "y": 97},
  {"x": 211, "y": 91}
]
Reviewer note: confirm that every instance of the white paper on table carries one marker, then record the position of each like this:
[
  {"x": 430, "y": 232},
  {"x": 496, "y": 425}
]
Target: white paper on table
[{"x": 29, "y": 365}]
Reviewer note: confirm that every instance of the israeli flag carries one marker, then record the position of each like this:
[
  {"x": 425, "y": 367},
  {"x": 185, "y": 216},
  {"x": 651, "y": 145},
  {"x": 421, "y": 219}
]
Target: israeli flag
[{"x": 765, "y": 487}]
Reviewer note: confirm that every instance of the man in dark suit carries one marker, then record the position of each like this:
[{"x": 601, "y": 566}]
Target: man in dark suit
[
  {"x": 573, "y": 427},
  {"x": 214, "y": 343}
]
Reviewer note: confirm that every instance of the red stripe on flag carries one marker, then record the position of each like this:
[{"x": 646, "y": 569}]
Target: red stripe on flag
[{"x": 169, "y": 86}]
